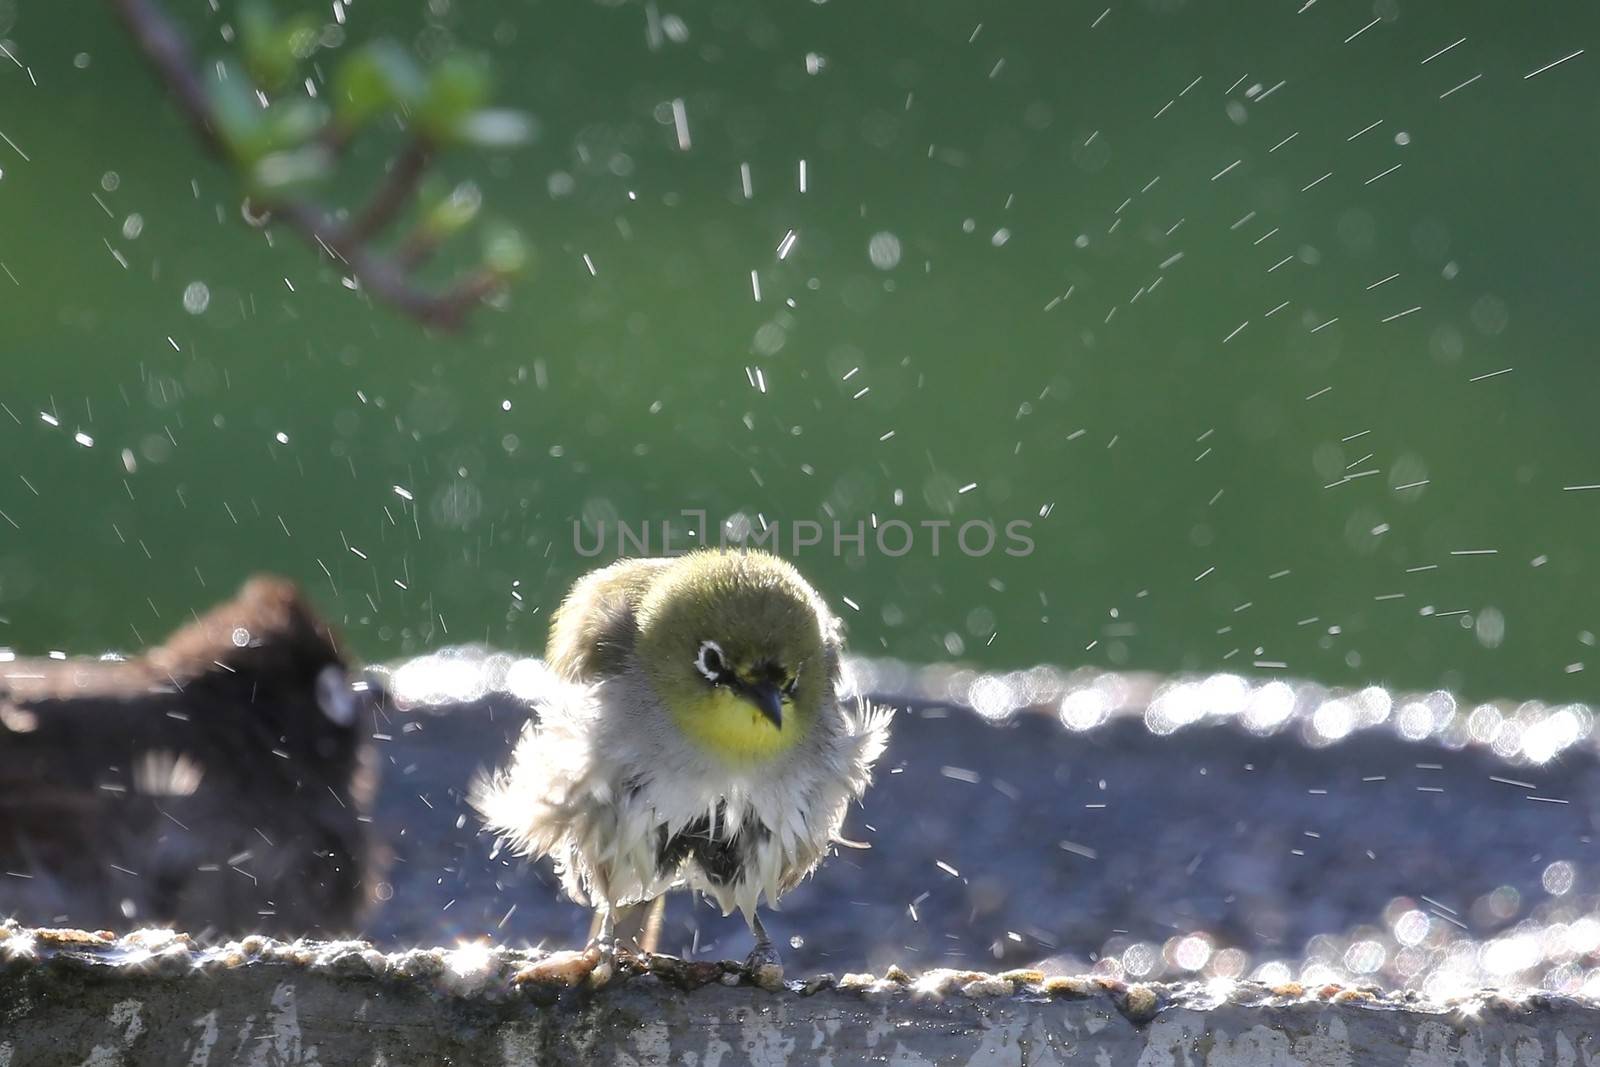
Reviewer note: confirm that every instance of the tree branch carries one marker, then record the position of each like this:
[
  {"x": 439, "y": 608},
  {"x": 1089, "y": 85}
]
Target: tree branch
[
  {"x": 163, "y": 45},
  {"x": 382, "y": 276},
  {"x": 388, "y": 278},
  {"x": 399, "y": 186}
]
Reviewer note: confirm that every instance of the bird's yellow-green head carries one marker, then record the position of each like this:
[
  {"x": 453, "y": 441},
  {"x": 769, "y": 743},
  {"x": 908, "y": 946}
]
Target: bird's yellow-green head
[{"x": 736, "y": 645}]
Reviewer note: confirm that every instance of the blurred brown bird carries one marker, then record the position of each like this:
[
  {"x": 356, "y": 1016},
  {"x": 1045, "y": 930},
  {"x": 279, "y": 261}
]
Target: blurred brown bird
[{"x": 216, "y": 782}]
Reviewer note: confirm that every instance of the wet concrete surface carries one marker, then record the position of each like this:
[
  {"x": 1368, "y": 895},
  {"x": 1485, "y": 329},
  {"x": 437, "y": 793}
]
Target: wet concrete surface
[{"x": 75, "y": 999}]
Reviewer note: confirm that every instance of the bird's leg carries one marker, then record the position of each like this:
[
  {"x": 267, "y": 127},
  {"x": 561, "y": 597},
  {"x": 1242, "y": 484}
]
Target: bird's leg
[
  {"x": 637, "y": 927},
  {"x": 606, "y": 939},
  {"x": 650, "y": 936},
  {"x": 763, "y": 963},
  {"x": 604, "y": 946}
]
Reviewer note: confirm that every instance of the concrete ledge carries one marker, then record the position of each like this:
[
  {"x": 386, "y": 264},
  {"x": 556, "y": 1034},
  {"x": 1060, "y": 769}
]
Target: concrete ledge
[{"x": 152, "y": 997}]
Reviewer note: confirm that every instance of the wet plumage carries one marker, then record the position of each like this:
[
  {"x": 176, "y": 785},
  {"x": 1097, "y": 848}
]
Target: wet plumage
[{"x": 695, "y": 734}]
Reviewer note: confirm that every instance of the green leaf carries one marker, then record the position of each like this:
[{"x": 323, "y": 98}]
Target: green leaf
[
  {"x": 304, "y": 35},
  {"x": 505, "y": 252},
  {"x": 239, "y": 116},
  {"x": 452, "y": 214},
  {"x": 291, "y": 123},
  {"x": 495, "y": 128},
  {"x": 379, "y": 77},
  {"x": 281, "y": 172},
  {"x": 458, "y": 86},
  {"x": 273, "y": 49}
]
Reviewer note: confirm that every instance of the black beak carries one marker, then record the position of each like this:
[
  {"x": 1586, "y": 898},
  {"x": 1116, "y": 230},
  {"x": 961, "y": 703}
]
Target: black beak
[{"x": 768, "y": 699}]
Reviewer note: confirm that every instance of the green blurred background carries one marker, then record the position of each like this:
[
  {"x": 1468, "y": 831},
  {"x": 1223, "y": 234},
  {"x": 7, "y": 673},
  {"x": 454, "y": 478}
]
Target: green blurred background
[{"x": 966, "y": 164}]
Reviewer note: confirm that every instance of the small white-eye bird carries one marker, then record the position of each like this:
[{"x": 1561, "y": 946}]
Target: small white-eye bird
[{"x": 697, "y": 735}]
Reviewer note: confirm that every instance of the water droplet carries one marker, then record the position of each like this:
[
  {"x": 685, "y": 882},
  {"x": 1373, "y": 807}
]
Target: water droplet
[
  {"x": 196, "y": 298},
  {"x": 1559, "y": 878},
  {"x": 884, "y": 250}
]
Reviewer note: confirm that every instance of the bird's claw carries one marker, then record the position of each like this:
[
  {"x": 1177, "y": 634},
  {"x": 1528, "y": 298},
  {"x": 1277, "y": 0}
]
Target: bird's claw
[
  {"x": 764, "y": 967},
  {"x": 603, "y": 954}
]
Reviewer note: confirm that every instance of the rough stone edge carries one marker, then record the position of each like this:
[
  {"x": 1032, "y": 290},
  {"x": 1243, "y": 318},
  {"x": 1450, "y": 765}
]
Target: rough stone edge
[{"x": 155, "y": 997}]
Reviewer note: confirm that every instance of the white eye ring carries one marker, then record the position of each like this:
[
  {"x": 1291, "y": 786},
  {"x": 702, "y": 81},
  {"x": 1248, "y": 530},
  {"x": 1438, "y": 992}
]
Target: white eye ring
[{"x": 710, "y": 661}]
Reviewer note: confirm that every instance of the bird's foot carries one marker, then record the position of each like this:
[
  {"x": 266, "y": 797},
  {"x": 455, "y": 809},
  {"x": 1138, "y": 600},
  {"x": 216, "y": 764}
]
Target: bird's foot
[
  {"x": 764, "y": 966},
  {"x": 603, "y": 952}
]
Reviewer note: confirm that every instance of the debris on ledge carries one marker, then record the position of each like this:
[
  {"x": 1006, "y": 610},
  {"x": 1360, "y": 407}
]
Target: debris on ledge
[{"x": 155, "y": 997}]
